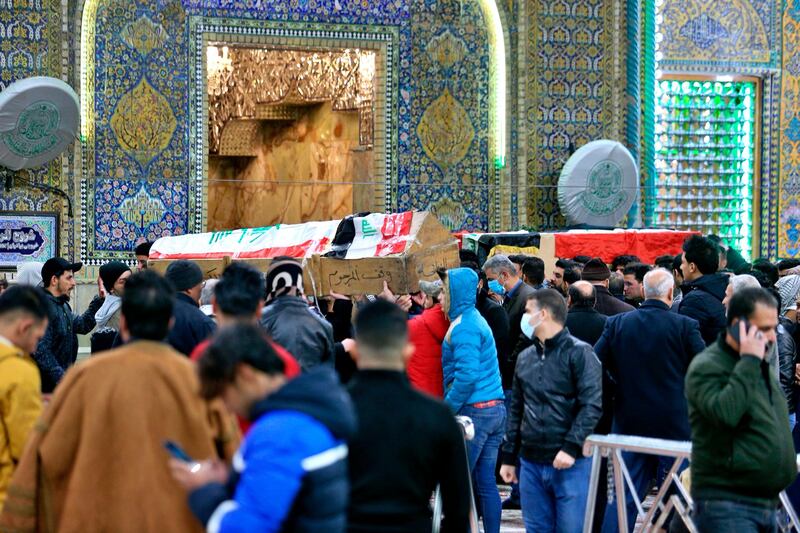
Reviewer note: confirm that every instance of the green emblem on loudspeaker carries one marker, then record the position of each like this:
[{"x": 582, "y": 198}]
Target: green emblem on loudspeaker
[
  {"x": 603, "y": 194},
  {"x": 36, "y": 130}
]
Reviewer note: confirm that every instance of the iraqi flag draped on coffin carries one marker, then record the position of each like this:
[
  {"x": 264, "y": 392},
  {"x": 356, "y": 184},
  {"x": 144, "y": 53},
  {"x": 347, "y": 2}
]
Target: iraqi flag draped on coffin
[{"x": 401, "y": 248}]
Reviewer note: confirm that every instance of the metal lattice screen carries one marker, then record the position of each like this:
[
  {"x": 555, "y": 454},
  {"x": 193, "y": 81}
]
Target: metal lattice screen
[{"x": 705, "y": 158}]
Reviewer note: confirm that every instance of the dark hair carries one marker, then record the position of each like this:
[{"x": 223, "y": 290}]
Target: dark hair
[
  {"x": 239, "y": 290},
  {"x": 762, "y": 279},
  {"x": 703, "y": 253},
  {"x": 468, "y": 256},
  {"x": 533, "y": 269},
  {"x": 4, "y": 283},
  {"x": 232, "y": 346},
  {"x": 572, "y": 274},
  {"x": 676, "y": 263},
  {"x": 143, "y": 248},
  {"x": 786, "y": 264},
  {"x": 471, "y": 265},
  {"x": 24, "y": 299},
  {"x": 565, "y": 263},
  {"x": 578, "y": 299},
  {"x": 638, "y": 270},
  {"x": 623, "y": 261},
  {"x": 768, "y": 269},
  {"x": 380, "y": 325},
  {"x": 147, "y": 305},
  {"x": 582, "y": 259},
  {"x": 775, "y": 294},
  {"x": 665, "y": 262},
  {"x": 518, "y": 259},
  {"x": 551, "y": 300},
  {"x": 743, "y": 303}
]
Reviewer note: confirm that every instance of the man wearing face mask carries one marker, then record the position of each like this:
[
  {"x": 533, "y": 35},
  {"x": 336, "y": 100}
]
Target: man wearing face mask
[
  {"x": 554, "y": 406},
  {"x": 504, "y": 280}
]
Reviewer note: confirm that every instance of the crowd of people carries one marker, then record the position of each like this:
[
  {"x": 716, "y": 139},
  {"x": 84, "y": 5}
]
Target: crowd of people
[{"x": 241, "y": 404}]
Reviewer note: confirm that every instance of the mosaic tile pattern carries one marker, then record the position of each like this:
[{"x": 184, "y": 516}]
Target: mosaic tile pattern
[
  {"x": 140, "y": 135},
  {"x": 31, "y": 45},
  {"x": 575, "y": 91},
  {"x": 788, "y": 225},
  {"x": 699, "y": 34},
  {"x": 143, "y": 49},
  {"x": 762, "y": 24},
  {"x": 452, "y": 93}
]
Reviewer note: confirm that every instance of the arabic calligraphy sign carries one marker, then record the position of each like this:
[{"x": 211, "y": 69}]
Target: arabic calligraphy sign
[{"x": 26, "y": 236}]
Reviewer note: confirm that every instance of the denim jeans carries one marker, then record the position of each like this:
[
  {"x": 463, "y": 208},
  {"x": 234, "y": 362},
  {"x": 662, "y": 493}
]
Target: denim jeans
[
  {"x": 490, "y": 425},
  {"x": 644, "y": 469},
  {"x": 554, "y": 501},
  {"x": 725, "y": 516}
]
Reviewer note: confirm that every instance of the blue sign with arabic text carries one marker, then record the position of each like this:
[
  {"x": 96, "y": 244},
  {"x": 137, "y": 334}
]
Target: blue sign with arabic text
[{"x": 27, "y": 237}]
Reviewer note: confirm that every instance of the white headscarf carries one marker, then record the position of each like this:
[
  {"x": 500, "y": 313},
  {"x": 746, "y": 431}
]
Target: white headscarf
[
  {"x": 29, "y": 274},
  {"x": 788, "y": 287}
]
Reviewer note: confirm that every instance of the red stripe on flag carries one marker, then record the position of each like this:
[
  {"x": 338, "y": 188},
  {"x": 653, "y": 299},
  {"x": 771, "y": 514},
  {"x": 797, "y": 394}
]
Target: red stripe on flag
[
  {"x": 395, "y": 229},
  {"x": 297, "y": 251}
]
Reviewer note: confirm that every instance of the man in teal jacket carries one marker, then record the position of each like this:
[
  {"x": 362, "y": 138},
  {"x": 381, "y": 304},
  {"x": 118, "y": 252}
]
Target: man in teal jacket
[
  {"x": 742, "y": 451},
  {"x": 472, "y": 385}
]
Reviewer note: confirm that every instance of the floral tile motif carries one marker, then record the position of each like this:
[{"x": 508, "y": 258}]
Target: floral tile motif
[
  {"x": 443, "y": 48},
  {"x": 31, "y": 45},
  {"x": 138, "y": 210},
  {"x": 572, "y": 94}
]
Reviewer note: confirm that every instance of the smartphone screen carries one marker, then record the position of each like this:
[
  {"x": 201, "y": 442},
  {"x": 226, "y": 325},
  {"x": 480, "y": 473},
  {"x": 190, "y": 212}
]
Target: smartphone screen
[
  {"x": 177, "y": 452},
  {"x": 733, "y": 329}
]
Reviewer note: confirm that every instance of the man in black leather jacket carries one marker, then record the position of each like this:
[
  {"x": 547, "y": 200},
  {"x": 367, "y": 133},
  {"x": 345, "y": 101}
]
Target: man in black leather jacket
[
  {"x": 289, "y": 320},
  {"x": 554, "y": 406}
]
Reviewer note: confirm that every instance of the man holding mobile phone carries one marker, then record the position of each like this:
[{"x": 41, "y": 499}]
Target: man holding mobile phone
[{"x": 742, "y": 450}]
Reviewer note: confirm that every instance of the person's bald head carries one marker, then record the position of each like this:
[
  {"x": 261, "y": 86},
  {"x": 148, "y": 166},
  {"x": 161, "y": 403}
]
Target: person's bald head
[
  {"x": 658, "y": 285},
  {"x": 582, "y": 294}
]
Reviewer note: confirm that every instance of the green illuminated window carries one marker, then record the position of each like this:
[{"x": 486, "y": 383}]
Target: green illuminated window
[{"x": 705, "y": 158}]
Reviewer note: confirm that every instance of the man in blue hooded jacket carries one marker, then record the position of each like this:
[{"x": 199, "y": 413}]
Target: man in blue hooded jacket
[
  {"x": 473, "y": 387},
  {"x": 290, "y": 473}
]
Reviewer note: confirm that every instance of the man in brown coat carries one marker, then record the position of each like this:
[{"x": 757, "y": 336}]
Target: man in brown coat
[
  {"x": 96, "y": 460},
  {"x": 597, "y": 273}
]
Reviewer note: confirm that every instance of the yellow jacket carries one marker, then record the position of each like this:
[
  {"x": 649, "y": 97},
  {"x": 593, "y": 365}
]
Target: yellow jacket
[{"x": 20, "y": 407}]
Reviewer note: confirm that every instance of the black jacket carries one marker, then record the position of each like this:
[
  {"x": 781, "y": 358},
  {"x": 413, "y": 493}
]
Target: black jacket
[
  {"x": 406, "y": 444},
  {"x": 787, "y": 357},
  {"x": 340, "y": 318},
  {"x": 647, "y": 354},
  {"x": 58, "y": 348},
  {"x": 586, "y": 324},
  {"x": 556, "y": 400},
  {"x": 191, "y": 325},
  {"x": 320, "y": 501},
  {"x": 608, "y": 304},
  {"x": 294, "y": 326},
  {"x": 515, "y": 308},
  {"x": 496, "y": 317},
  {"x": 702, "y": 300}
]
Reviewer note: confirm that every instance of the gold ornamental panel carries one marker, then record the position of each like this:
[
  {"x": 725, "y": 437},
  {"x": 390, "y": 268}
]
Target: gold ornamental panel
[{"x": 244, "y": 83}]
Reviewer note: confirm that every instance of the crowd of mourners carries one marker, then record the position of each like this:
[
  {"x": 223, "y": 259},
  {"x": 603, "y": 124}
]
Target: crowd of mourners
[{"x": 242, "y": 404}]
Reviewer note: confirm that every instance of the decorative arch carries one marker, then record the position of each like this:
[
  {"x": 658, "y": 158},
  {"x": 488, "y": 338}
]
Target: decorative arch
[{"x": 144, "y": 184}]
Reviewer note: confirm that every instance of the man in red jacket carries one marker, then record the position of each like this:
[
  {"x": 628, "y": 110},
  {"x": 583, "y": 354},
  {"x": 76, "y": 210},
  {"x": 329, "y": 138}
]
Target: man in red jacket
[{"x": 426, "y": 333}]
